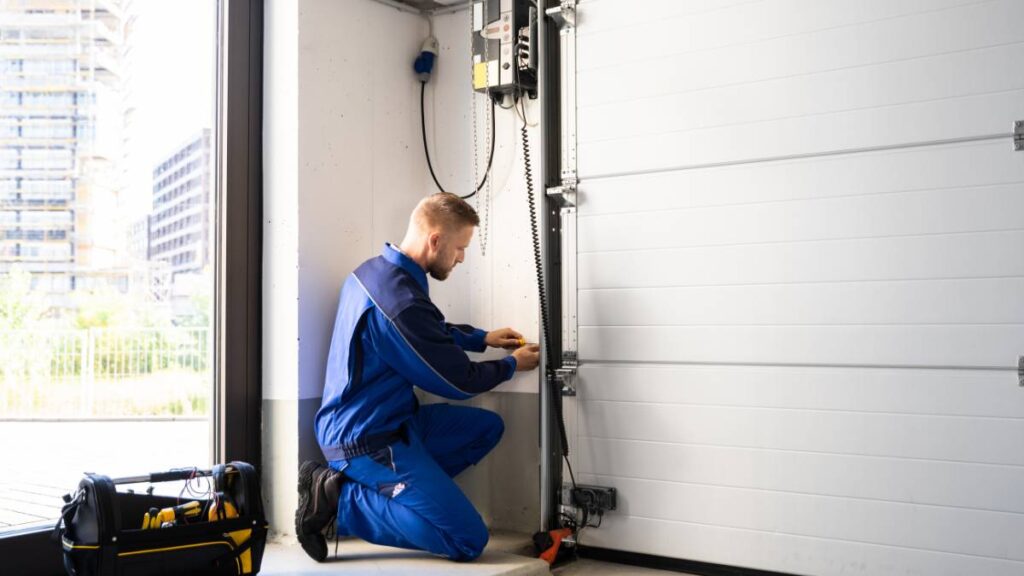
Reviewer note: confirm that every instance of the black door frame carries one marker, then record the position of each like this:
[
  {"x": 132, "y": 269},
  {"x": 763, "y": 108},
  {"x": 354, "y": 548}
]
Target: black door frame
[
  {"x": 240, "y": 232},
  {"x": 239, "y": 173}
]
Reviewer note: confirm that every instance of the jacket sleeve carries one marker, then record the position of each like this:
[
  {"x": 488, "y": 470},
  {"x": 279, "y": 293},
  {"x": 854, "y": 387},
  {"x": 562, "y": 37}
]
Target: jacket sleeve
[
  {"x": 467, "y": 337},
  {"x": 416, "y": 343}
]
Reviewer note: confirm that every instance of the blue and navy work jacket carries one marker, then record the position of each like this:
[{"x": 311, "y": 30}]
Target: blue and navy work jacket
[{"x": 388, "y": 336}]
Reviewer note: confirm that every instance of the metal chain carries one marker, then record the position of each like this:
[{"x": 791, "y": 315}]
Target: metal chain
[
  {"x": 472, "y": 101},
  {"x": 488, "y": 196},
  {"x": 483, "y": 200}
]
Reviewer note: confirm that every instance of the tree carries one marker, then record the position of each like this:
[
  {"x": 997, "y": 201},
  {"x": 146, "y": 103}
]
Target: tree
[{"x": 20, "y": 307}]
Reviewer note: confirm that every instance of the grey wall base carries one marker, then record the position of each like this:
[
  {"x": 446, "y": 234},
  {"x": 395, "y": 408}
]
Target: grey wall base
[
  {"x": 505, "y": 486},
  {"x": 288, "y": 440}
]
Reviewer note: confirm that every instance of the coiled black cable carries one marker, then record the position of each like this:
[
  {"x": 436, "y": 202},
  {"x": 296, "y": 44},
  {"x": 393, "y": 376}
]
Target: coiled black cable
[
  {"x": 426, "y": 149},
  {"x": 542, "y": 293}
]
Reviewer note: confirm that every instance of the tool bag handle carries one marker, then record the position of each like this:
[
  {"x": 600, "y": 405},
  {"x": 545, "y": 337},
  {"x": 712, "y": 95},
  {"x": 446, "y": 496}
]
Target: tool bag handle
[{"x": 165, "y": 476}]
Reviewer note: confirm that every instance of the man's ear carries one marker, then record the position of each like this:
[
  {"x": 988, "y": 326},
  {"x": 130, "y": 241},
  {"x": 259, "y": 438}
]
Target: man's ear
[{"x": 434, "y": 240}]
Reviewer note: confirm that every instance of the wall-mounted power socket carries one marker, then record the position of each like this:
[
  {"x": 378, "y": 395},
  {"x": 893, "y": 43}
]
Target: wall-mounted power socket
[{"x": 596, "y": 500}]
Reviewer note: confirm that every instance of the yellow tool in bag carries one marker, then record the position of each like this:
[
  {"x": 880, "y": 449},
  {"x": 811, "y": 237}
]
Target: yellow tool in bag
[{"x": 171, "y": 516}]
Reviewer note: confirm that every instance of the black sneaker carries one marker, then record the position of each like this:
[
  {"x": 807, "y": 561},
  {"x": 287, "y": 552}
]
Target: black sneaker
[{"x": 319, "y": 488}]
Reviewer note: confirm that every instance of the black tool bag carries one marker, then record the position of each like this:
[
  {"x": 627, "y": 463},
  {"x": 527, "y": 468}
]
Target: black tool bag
[{"x": 101, "y": 530}]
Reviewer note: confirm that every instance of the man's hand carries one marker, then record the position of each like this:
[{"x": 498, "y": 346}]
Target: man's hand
[
  {"x": 506, "y": 338},
  {"x": 527, "y": 357}
]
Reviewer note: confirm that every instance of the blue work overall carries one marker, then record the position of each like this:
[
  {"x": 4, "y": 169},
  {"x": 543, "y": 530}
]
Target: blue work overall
[{"x": 399, "y": 457}]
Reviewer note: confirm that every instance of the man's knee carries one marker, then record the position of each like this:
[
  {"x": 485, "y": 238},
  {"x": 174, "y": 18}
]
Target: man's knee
[
  {"x": 471, "y": 543},
  {"x": 495, "y": 426}
]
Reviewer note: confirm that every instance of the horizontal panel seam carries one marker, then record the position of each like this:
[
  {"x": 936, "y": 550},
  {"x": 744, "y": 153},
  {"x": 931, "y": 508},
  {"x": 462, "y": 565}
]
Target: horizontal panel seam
[
  {"x": 805, "y": 241},
  {"x": 599, "y": 362},
  {"x": 585, "y": 177},
  {"x": 809, "y": 199},
  {"x": 583, "y": 400},
  {"x": 810, "y": 494},
  {"x": 805, "y": 325},
  {"x": 823, "y": 538},
  {"x": 802, "y": 283},
  {"x": 795, "y": 451}
]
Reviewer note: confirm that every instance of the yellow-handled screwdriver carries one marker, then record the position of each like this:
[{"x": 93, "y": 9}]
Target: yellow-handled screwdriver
[{"x": 170, "y": 516}]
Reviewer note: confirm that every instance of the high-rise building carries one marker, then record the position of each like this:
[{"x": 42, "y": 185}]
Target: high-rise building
[
  {"x": 61, "y": 142},
  {"x": 179, "y": 227}
]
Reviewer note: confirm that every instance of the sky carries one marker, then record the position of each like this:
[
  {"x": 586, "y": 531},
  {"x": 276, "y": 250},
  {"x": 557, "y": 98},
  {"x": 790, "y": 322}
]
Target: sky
[{"x": 174, "y": 57}]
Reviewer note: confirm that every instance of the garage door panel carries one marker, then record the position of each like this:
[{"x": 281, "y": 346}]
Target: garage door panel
[
  {"x": 799, "y": 285},
  {"x": 974, "y": 255},
  {"x": 608, "y": 16},
  {"x": 979, "y": 301},
  {"x": 985, "y": 393},
  {"x": 668, "y": 28},
  {"x": 918, "y": 212},
  {"x": 968, "y": 346},
  {"x": 954, "y": 439},
  {"x": 957, "y": 166},
  {"x": 784, "y": 552},
  {"x": 646, "y": 69},
  {"x": 946, "y": 76},
  {"x": 906, "y": 124},
  {"x": 923, "y": 482},
  {"x": 865, "y": 521}
]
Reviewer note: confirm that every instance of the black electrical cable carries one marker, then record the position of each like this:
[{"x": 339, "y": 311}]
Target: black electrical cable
[
  {"x": 426, "y": 149},
  {"x": 542, "y": 293}
]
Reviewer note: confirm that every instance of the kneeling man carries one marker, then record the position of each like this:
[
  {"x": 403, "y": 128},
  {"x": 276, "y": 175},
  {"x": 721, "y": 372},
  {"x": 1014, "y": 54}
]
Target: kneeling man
[{"x": 391, "y": 461}]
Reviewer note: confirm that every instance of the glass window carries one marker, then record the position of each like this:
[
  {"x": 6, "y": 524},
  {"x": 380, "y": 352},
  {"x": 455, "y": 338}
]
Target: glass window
[
  {"x": 47, "y": 158},
  {"x": 47, "y": 66},
  {"x": 8, "y": 158},
  {"x": 47, "y": 130},
  {"x": 101, "y": 349},
  {"x": 8, "y": 130}
]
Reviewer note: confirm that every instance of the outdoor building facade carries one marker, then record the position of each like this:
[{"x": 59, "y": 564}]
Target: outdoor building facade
[
  {"x": 61, "y": 141},
  {"x": 180, "y": 225}
]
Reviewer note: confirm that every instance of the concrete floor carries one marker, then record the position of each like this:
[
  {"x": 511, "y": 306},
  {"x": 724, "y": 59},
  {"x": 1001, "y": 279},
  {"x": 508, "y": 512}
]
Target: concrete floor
[
  {"x": 358, "y": 558},
  {"x": 507, "y": 554}
]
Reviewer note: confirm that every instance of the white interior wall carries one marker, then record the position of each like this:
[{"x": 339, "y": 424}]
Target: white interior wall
[
  {"x": 344, "y": 166},
  {"x": 280, "y": 259}
]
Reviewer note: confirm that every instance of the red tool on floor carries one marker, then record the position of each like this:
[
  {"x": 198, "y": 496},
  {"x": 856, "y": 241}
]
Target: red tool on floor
[{"x": 549, "y": 544}]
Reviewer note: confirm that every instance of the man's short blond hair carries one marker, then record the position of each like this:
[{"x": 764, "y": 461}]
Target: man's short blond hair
[{"x": 446, "y": 211}]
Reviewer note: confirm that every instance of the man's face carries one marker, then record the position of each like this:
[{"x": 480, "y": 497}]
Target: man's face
[{"x": 448, "y": 249}]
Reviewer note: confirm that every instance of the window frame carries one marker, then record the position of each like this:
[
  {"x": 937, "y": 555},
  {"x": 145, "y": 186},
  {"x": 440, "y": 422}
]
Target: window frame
[{"x": 237, "y": 399}]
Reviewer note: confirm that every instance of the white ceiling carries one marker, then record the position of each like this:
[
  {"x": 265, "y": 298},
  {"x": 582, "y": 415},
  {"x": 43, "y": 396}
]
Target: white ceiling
[{"x": 431, "y": 4}]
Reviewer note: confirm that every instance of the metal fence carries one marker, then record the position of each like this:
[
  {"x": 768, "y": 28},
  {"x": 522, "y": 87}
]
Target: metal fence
[{"x": 101, "y": 371}]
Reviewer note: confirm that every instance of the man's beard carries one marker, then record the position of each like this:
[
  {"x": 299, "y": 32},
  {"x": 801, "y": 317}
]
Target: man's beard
[{"x": 437, "y": 272}]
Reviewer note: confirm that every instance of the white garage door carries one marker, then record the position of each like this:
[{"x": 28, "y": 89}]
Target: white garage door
[{"x": 801, "y": 282}]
